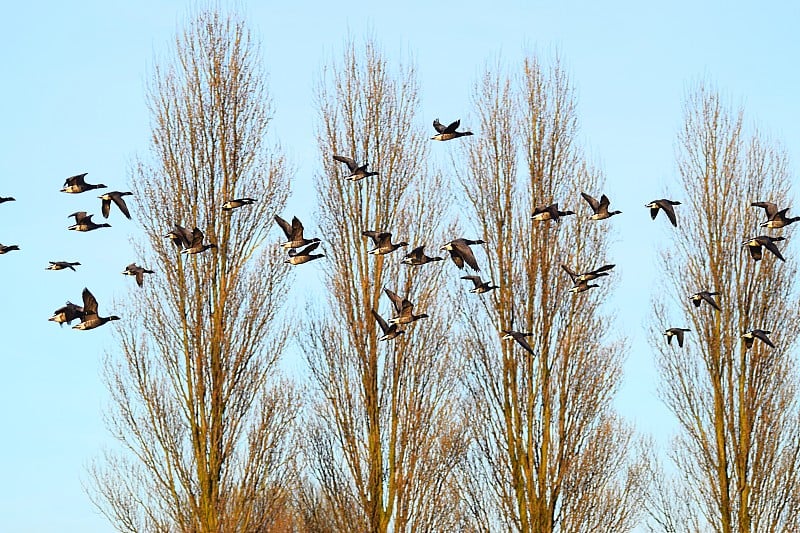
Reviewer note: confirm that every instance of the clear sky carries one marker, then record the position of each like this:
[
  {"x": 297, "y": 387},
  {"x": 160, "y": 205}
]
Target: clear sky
[{"x": 72, "y": 101}]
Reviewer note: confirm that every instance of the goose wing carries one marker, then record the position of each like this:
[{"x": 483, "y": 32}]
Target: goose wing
[
  {"x": 120, "y": 201},
  {"x": 668, "y": 209},
  {"x": 307, "y": 250},
  {"x": 297, "y": 229},
  {"x": 476, "y": 280},
  {"x": 465, "y": 253},
  {"x": 381, "y": 322},
  {"x": 762, "y": 336},
  {"x": 573, "y": 275},
  {"x": 349, "y": 161},
  {"x": 452, "y": 127},
  {"x": 772, "y": 248},
  {"x": 285, "y": 226},
  {"x": 769, "y": 207},
  {"x": 89, "y": 305},
  {"x": 75, "y": 180},
  {"x": 710, "y": 299},
  {"x": 593, "y": 203},
  {"x": 400, "y": 304},
  {"x": 438, "y": 126}
]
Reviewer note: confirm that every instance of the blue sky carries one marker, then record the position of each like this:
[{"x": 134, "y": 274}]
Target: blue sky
[{"x": 73, "y": 101}]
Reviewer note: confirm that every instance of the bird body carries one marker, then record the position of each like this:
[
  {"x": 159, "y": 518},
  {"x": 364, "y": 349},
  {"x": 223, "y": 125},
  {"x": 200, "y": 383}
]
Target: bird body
[
  {"x": 116, "y": 197},
  {"x": 404, "y": 309},
  {"x": 519, "y": 337},
  {"x": 4, "y": 199},
  {"x": 549, "y": 212},
  {"x": 239, "y": 202},
  {"x": 460, "y": 252},
  {"x": 587, "y": 276},
  {"x": 5, "y": 249},
  {"x": 705, "y": 296},
  {"x": 304, "y": 255},
  {"x": 357, "y": 172},
  {"x": 755, "y": 244},
  {"x": 600, "y": 207},
  {"x": 84, "y": 222},
  {"x": 383, "y": 242},
  {"x": 196, "y": 245},
  {"x": 61, "y": 265},
  {"x": 417, "y": 257},
  {"x": 90, "y": 319},
  {"x": 665, "y": 205},
  {"x": 138, "y": 272},
  {"x": 582, "y": 286},
  {"x": 480, "y": 286},
  {"x": 294, "y": 233},
  {"x": 446, "y": 133},
  {"x": 76, "y": 184},
  {"x": 677, "y": 333},
  {"x": 67, "y": 314},
  {"x": 760, "y": 334}
]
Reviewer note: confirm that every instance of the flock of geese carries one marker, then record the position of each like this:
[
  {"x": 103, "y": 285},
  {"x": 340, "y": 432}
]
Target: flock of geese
[{"x": 300, "y": 250}]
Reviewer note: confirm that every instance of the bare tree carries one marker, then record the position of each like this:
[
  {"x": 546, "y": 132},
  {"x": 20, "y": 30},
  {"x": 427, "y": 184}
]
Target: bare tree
[
  {"x": 550, "y": 453},
  {"x": 738, "y": 450},
  {"x": 384, "y": 434},
  {"x": 200, "y": 414}
]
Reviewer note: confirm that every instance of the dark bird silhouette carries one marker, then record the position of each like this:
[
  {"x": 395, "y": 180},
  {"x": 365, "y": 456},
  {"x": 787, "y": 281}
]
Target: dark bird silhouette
[
  {"x": 116, "y": 197},
  {"x": 480, "y": 286},
  {"x": 61, "y": 265},
  {"x": 760, "y": 334},
  {"x": 445, "y": 133},
  {"x": 666, "y": 206},
  {"x": 239, "y": 202},
  {"x": 404, "y": 309},
  {"x": 357, "y": 172},
  {"x": 76, "y": 184},
  {"x": 417, "y": 257},
  {"x": 10, "y": 248},
  {"x": 705, "y": 296},
  {"x": 519, "y": 337},
  {"x": 389, "y": 331},
  {"x": 677, "y": 333},
  {"x": 600, "y": 208},
  {"x": 4, "y": 199},
  {"x": 67, "y": 314},
  {"x": 775, "y": 218},
  {"x": 549, "y": 212},
  {"x": 303, "y": 256},
  {"x": 587, "y": 276},
  {"x": 196, "y": 245},
  {"x": 84, "y": 222},
  {"x": 460, "y": 252},
  {"x": 755, "y": 244},
  {"x": 138, "y": 272},
  {"x": 90, "y": 318},
  {"x": 383, "y": 242},
  {"x": 294, "y": 233}
]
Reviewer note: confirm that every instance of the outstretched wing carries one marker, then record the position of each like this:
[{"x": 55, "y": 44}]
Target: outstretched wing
[
  {"x": 667, "y": 207},
  {"x": 350, "y": 162},
  {"x": 120, "y": 201},
  {"x": 438, "y": 126},
  {"x": 89, "y": 304},
  {"x": 397, "y": 302},
  {"x": 381, "y": 322},
  {"x": 452, "y": 127},
  {"x": 769, "y": 207},
  {"x": 593, "y": 203},
  {"x": 285, "y": 226}
]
